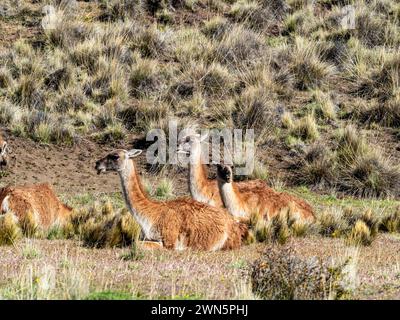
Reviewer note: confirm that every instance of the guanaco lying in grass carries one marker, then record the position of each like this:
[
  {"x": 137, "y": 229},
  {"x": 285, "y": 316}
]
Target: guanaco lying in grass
[
  {"x": 247, "y": 200},
  {"x": 39, "y": 200},
  {"x": 177, "y": 224},
  {"x": 201, "y": 187}
]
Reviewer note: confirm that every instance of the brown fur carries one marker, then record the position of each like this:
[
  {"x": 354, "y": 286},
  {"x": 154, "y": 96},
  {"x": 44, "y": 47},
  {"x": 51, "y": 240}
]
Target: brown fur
[
  {"x": 201, "y": 187},
  {"x": 260, "y": 198},
  {"x": 181, "y": 221},
  {"x": 210, "y": 190},
  {"x": 40, "y": 199}
]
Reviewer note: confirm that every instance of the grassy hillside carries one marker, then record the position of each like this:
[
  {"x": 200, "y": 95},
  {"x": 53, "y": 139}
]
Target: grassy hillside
[{"x": 324, "y": 100}]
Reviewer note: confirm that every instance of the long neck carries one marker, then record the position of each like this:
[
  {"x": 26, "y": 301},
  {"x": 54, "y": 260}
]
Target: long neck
[
  {"x": 198, "y": 178},
  {"x": 231, "y": 198},
  {"x": 135, "y": 196}
]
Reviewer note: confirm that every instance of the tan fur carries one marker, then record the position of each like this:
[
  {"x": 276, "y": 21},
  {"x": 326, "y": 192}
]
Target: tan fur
[
  {"x": 39, "y": 199},
  {"x": 179, "y": 224},
  {"x": 259, "y": 198},
  {"x": 209, "y": 187}
]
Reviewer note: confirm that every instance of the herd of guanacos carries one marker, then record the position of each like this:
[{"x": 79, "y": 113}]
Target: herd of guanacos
[{"x": 216, "y": 217}]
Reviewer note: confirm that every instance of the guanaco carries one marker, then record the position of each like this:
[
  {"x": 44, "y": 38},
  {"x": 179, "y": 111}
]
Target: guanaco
[
  {"x": 261, "y": 198},
  {"x": 176, "y": 224},
  {"x": 201, "y": 187},
  {"x": 39, "y": 199}
]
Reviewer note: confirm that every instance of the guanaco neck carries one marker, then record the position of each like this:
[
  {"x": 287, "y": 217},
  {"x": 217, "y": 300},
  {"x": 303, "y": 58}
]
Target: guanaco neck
[
  {"x": 136, "y": 198},
  {"x": 231, "y": 198},
  {"x": 198, "y": 177}
]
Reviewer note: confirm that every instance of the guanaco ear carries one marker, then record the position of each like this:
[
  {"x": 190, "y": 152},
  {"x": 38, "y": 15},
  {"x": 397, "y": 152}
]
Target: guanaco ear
[{"x": 134, "y": 153}]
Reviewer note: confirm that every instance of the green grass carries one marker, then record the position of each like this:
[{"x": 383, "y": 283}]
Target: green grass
[
  {"x": 331, "y": 200},
  {"x": 111, "y": 295}
]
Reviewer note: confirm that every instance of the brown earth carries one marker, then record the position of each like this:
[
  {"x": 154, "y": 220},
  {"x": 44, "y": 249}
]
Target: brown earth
[{"x": 70, "y": 169}]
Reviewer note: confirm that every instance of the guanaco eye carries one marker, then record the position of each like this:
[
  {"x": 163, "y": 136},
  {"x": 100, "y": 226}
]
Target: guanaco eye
[{"x": 114, "y": 156}]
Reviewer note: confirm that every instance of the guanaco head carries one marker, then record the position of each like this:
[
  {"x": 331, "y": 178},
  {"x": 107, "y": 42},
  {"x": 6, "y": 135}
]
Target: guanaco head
[
  {"x": 116, "y": 160},
  {"x": 3, "y": 153},
  {"x": 224, "y": 173},
  {"x": 188, "y": 142}
]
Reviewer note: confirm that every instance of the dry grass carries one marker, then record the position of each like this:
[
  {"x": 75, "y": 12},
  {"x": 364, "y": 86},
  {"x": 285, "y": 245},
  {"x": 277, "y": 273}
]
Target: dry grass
[
  {"x": 108, "y": 70},
  {"x": 75, "y": 272}
]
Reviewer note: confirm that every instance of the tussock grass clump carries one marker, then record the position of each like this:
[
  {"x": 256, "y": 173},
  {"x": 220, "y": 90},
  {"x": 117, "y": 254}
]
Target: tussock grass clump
[
  {"x": 115, "y": 10},
  {"x": 323, "y": 105},
  {"x": 307, "y": 65},
  {"x": 281, "y": 274},
  {"x": 6, "y": 79},
  {"x": 216, "y": 27},
  {"x": 331, "y": 223},
  {"x": 280, "y": 227},
  {"x": 102, "y": 227},
  {"x": 254, "y": 109},
  {"x": 316, "y": 167},
  {"x": 391, "y": 222},
  {"x": 360, "y": 234},
  {"x": 239, "y": 47},
  {"x": 260, "y": 171},
  {"x": 364, "y": 172},
  {"x": 144, "y": 78},
  {"x": 218, "y": 81},
  {"x": 71, "y": 98},
  {"x": 165, "y": 189},
  {"x": 145, "y": 115},
  {"x": 124, "y": 231},
  {"x": 287, "y": 120},
  {"x": 9, "y": 229},
  {"x": 58, "y": 230},
  {"x": 30, "y": 225},
  {"x": 357, "y": 227},
  {"x": 259, "y": 15},
  {"x": 305, "y": 128},
  {"x": 114, "y": 132}
]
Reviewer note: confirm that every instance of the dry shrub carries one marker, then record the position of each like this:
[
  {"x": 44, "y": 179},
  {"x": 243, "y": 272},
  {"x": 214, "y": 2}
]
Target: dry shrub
[{"x": 281, "y": 274}]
